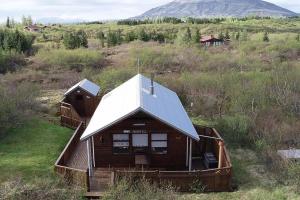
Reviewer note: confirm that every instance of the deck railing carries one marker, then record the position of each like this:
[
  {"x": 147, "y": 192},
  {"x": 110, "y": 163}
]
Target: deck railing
[
  {"x": 72, "y": 175},
  {"x": 211, "y": 180},
  {"x": 218, "y": 179},
  {"x": 69, "y": 115}
]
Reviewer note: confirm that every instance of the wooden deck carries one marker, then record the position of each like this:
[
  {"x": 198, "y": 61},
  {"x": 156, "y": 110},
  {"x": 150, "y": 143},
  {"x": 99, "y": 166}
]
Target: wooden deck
[
  {"x": 78, "y": 159},
  {"x": 72, "y": 164}
]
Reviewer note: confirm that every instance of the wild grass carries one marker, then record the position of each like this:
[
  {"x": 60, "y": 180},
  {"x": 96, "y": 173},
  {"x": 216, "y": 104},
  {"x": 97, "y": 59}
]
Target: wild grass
[
  {"x": 46, "y": 189},
  {"x": 72, "y": 59},
  {"x": 128, "y": 189}
]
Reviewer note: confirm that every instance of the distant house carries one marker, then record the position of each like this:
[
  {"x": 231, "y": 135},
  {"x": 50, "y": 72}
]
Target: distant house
[
  {"x": 211, "y": 40},
  {"x": 33, "y": 28},
  {"x": 141, "y": 129}
]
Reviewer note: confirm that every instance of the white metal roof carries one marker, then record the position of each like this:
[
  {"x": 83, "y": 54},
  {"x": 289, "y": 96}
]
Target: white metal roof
[
  {"x": 86, "y": 85},
  {"x": 134, "y": 96}
]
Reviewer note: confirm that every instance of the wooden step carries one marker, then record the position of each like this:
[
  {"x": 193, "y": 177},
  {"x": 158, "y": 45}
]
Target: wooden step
[{"x": 94, "y": 195}]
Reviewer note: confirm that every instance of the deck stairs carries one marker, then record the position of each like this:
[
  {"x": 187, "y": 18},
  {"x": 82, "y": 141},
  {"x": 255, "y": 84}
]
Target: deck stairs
[{"x": 101, "y": 180}]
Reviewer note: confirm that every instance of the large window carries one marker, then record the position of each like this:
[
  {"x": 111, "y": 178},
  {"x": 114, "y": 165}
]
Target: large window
[
  {"x": 159, "y": 143},
  {"x": 121, "y": 143},
  {"x": 140, "y": 143}
]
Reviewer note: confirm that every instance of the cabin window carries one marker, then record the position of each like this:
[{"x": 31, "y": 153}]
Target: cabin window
[
  {"x": 120, "y": 143},
  {"x": 159, "y": 143},
  {"x": 140, "y": 143}
]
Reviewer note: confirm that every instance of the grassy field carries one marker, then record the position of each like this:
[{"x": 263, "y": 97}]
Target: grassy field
[{"x": 30, "y": 151}]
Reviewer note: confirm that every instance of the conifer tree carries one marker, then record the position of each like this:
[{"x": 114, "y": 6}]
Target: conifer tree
[
  {"x": 227, "y": 36},
  {"x": 197, "y": 36},
  {"x": 244, "y": 35},
  {"x": 7, "y": 23},
  {"x": 184, "y": 37},
  {"x": 237, "y": 36},
  {"x": 29, "y": 21},
  {"x": 189, "y": 34},
  {"x": 101, "y": 37},
  {"x": 266, "y": 37},
  {"x": 221, "y": 36},
  {"x": 298, "y": 37},
  {"x": 82, "y": 39}
]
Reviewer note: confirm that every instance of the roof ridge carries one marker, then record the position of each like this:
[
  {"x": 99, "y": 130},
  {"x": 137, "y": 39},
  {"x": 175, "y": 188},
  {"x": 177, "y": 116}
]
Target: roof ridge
[{"x": 140, "y": 96}]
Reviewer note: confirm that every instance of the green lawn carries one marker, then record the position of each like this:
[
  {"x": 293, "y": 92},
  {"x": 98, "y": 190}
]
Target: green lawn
[{"x": 31, "y": 150}]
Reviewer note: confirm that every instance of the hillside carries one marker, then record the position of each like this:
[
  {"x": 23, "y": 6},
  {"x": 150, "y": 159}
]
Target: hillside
[{"x": 216, "y": 8}]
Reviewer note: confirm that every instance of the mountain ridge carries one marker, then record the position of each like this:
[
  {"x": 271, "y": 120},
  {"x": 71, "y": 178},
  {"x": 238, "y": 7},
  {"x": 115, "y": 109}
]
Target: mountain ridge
[{"x": 217, "y": 8}]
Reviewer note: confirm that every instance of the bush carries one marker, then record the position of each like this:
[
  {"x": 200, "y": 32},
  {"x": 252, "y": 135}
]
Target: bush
[
  {"x": 129, "y": 189},
  {"x": 111, "y": 78},
  {"x": 46, "y": 189},
  {"x": 75, "y": 40},
  {"x": 10, "y": 61},
  {"x": 14, "y": 103},
  {"x": 235, "y": 129},
  {"x": 72, "y": 59}
]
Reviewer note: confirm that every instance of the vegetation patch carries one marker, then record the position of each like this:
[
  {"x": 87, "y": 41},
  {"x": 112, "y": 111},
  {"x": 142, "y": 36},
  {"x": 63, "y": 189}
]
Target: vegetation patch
[{"x": 72, "y": 59}]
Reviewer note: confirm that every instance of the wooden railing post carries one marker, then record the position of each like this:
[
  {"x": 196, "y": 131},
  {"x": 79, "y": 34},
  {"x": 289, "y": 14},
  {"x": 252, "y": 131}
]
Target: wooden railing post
[{"x": 221, "y": 153}]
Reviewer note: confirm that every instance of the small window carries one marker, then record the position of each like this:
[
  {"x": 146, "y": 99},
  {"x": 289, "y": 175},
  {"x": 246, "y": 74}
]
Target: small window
[
  {"x": 159, "y": 143},
  {"x": 79, "y": 97},
  {"x": 120, "y": 143}
]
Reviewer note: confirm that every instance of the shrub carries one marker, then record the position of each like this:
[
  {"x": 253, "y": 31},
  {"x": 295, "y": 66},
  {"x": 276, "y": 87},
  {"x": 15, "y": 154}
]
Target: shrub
[
  {"x": 10, "y": 61},
  {"x": 15, "y": 101},
  {"x": 235, "y": 129},
  {"x": 46, "y": 189},
  {"x": 75, "y": 40},
  {"x": 129, "y": 189},
  {"x": 111, "y": 78},
  {"x": 72, "y": 59}
]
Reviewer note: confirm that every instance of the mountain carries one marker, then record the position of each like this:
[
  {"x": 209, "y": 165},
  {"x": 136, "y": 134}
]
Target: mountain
[{"x": 217, "y": 8}]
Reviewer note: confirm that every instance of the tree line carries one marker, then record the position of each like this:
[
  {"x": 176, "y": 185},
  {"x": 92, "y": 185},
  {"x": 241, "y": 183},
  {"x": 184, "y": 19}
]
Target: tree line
[
  {"x": 14, "y": 40},
  {"x": 190, "y": 20},
  {"x": 73, "y": 40}
]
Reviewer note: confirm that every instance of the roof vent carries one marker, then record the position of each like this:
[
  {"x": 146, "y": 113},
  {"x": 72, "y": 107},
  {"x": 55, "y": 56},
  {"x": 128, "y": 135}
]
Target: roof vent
[{"x": 152, "y": 84}]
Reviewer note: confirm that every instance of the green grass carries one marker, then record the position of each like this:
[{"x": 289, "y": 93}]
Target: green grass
[{"x": 31, "y": 149}]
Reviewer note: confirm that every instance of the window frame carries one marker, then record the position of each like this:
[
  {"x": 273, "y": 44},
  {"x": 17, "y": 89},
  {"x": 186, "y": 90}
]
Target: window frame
[
  {"x": 164, "y": 152},
  {"x": 127, "y": 151}
]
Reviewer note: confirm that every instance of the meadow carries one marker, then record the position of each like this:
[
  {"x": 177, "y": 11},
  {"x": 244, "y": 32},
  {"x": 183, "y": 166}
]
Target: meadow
[{"x": 249, "y": 89}]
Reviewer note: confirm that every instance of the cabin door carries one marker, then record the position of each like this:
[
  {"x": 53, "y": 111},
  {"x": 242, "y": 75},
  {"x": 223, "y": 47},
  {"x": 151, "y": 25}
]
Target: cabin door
[{"x": 80, "y": 104}]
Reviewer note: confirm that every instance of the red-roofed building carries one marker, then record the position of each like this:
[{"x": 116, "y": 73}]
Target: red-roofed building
[{"x": 211, "y": 40}]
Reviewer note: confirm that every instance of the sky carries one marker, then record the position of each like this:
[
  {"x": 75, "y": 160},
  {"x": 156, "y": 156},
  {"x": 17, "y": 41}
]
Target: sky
[{"x": 90, "y": 10}]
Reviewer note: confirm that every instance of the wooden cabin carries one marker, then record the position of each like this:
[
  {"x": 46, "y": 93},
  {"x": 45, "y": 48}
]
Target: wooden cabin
[
  {"x": 33, "y": 28},
  {"x": 148, "y": 126},
  {"x": 211, "y": 40},
  {"x": 79, "y": 103},
  {"x": 141, "y": 129}
]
